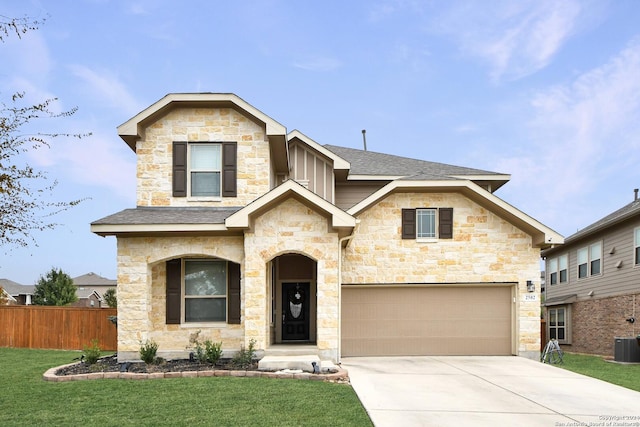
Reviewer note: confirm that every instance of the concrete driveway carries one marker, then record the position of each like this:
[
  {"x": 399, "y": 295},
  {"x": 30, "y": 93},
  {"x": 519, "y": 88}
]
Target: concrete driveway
[{"x": 485, "y": 391}]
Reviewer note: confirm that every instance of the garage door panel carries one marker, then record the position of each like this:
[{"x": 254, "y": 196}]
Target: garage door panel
[{"x": 389, "y": 321}]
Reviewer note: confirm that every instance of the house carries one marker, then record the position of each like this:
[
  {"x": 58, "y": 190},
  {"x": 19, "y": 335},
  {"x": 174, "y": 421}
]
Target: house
[
  {"x": 20, "y": 294},
  {"x": 93, "y": 282},
  {"x": 593, "y": 283},
  {"x": 249, "y": 233},
  {"x": 88, "y": 298},
  {"x": 6, "y": 298}
]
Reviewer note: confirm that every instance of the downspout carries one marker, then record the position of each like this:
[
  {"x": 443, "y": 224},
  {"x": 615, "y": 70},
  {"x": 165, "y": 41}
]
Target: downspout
[{"x": 343, "y": 239}]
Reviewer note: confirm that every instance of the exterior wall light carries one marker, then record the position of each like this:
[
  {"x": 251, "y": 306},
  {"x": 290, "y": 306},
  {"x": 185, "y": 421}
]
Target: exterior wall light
[{"x": 531, "y": 287}]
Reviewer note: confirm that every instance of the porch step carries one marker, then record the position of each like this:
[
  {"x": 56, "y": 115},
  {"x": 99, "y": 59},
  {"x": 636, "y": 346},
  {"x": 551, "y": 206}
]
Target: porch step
[
  {"x": 277, "y": 363},
  {"x": 290, "y": 350}
]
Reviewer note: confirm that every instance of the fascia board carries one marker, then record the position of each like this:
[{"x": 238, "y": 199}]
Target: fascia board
[
  {"x": 338, "y": 162},
  {"x": 129, "y": 131},
  {"x": 112, "y": 229},
  {"x": 374, "y": 177},
  {"x": 482, "y": 177},
  {"x": 339, "y": 218}
]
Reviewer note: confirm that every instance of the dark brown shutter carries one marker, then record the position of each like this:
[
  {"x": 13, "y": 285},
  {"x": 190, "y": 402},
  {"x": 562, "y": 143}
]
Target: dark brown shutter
[
  {"x": 408, "y": 223},
  {"x": 229, "y": 168},
  {"x": 179, "y": 169},
  {"x": 445, "y": 225},
  {"x": 174, "y": 280},
  {"x": 233, "y": 299}
]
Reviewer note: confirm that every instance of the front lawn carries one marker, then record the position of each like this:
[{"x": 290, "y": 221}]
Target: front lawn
[
  {"x": 594, "y": 366},
  {"x": 27, "y": 400}
]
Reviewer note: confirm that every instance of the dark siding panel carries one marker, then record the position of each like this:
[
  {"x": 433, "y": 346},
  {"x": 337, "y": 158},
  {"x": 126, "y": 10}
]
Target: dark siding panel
[
  {"x": 408, "y": 223},
  {"x": 445, "y": 225},
  {"x": 229, "y": 169},
  {"x": 233, "y": 316},
  {"x": 174, "y": 281},
  {"x": 179, "y": 169}
]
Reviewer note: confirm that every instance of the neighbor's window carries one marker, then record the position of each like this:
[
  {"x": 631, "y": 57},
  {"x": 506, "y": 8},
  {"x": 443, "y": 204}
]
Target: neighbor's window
[
  {"x": 205, "y": 164},
  {"x": 558, "y": 323},
  {"x": 636, "y": 245},
  {"x": 557, "y": 268},
  {"x": 552, "y": 268},
  {"x": 590, "y": 260},
  {"x": 563, "y": 266},
  {"x": 205, "y": 291}
]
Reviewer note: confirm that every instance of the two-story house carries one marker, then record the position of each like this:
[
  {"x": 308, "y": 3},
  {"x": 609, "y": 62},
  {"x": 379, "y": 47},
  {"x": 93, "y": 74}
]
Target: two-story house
[
  {"x": 246, "y": 232},
  {"x": 593, "y": 283}
]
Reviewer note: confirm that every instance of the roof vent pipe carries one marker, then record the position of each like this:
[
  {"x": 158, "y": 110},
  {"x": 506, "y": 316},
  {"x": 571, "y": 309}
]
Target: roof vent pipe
[
  {"x": 635, "y": 191},
  {"x": 364, "y": 138}
]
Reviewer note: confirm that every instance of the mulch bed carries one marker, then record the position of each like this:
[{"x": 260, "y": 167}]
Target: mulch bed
[{"x": 110, "y": 364}]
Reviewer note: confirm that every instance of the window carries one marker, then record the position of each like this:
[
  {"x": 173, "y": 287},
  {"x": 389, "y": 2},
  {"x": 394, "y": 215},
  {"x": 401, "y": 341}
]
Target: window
[
  {"x": 590, "y": 260},
  {"x": 204, "y": 169},
  {"x": 636, "y": 245},
  {"x": 557, "y": 268},
  {"x": 202, "y": 290},
  {"x": 558, "y": 324},
  {"x": 427, "y": 223}
]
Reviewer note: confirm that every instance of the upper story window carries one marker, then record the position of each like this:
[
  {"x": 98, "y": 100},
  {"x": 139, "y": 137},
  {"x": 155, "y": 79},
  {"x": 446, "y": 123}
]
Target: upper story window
[
  {"x": 427, "y": 223},
  {"x": 590, "y": 260},
  {"x": 204, "y": 169},
  {"x": 557, "y": 268},
  {"x": 636, "y": 246}
]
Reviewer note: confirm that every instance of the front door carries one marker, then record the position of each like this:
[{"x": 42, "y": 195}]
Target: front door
[{"x": 295, "y": 311}]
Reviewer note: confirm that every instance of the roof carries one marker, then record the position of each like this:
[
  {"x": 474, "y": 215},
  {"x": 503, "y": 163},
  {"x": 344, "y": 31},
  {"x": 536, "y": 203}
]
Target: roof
[
  {"x": 84, "y": 293},
  {"x": 632, "y": 210},
  {"x": 371, "y": 164},
  {"x": 14, "y": 288},
  {"x": 174, "y": 219},
  {"x": 93, "y": 279}
]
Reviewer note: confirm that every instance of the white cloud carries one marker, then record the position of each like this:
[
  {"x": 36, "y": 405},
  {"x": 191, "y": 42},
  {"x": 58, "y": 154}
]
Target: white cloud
[
  {"x": 317, "y": 63},
  {"x": 108, "y": 89},
  {"x": 516, "y": 39}
]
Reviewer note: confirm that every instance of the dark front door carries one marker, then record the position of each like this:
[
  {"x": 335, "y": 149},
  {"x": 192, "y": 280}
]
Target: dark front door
[{"x": 295, "y": 311}]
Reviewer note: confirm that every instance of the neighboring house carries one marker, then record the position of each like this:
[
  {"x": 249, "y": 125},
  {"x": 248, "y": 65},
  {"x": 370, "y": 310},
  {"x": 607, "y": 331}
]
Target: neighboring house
[
  {"x": 88, "y": 298},
  {"x": 21, "y": 294},
  {"x": 94, "y": 282},
  {"x": 593, "y": 283},
  {"x": 6, "y": 297},
  {"x": 244, "y": 231}
]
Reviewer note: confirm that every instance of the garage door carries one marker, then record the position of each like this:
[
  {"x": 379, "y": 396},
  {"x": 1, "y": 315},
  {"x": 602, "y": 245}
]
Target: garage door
[{"x": 395, "y": 321}]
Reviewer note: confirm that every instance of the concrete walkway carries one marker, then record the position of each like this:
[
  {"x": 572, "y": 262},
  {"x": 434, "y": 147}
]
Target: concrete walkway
[{"x": 485, "y": 391}]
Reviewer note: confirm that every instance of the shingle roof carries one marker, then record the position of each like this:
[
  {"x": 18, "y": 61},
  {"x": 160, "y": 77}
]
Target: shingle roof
[
  {"x": 168, "y": 215},
  {"x": 372, "y": 163},
  {"x": 14, "y": 288},
  {"x": 93, "y": 279},
  {"x": 628, "y": 211}
]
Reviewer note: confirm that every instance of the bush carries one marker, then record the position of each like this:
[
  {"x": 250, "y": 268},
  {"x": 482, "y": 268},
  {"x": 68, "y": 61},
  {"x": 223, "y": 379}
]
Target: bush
[
  {"x": 148, "y": 351},
  {"x": 244, "y": 358},
  {"x": 92, "y": 353},
  {"x": 205, "y": 352}
]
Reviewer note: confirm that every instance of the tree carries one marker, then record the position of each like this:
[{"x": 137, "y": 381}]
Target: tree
[
  {"x": 56, "y": 288},
  {"x": 110, "y": 298},
  {"x": 22, "y": 189}
]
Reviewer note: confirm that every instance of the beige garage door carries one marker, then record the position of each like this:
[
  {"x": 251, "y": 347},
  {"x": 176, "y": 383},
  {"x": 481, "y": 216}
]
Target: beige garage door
[{"x": 395, "y": 321}]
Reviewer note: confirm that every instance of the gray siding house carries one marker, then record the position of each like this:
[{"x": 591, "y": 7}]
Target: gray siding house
[{"x": 592, "y": 292}]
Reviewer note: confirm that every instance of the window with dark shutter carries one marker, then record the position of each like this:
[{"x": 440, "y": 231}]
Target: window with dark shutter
[
  {"x": 174, "y": 284},
  {"x": 179, "y": 169},
  {"x": 229, "y": 169},
  {"x": 408, "y": 223},
  {"x": 445, "y": 223},
  {"x": 233, "y": 300}
]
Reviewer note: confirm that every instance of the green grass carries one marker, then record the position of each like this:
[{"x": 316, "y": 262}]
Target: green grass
[
  {"x": 27, "y": 400},
  {"x": 594, "y": 366}
]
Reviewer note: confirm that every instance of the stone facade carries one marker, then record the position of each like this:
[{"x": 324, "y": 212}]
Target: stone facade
[
  {"x": 595, "y": 323},
  {"x": 485, "y": 248},
  {"x": 154, "y": 152}
]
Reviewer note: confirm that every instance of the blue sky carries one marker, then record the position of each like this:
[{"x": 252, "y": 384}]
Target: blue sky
[{"x": 547, "y": 91}]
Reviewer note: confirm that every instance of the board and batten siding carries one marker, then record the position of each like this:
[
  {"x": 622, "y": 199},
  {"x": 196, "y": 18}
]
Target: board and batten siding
[
  {"x": 617, "y": 247},
  {"x": 312, "y": 170}
]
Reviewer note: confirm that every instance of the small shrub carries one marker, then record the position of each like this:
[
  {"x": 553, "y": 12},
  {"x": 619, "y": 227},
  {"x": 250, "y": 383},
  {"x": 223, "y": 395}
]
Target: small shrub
[
  {"x": 213, "y": 351},
  {"x": 148, "y": 351},
  {"x": 92, "y": 352},
  {"x": 244, "y": 358},
  {"x": 205, "y": 352}
]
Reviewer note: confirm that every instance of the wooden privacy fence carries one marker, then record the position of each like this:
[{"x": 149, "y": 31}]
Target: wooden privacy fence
[{"x": 64, "y": 328}]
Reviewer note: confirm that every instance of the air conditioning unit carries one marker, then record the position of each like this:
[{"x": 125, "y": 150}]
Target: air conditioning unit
[{"x": 626, "y": 350}]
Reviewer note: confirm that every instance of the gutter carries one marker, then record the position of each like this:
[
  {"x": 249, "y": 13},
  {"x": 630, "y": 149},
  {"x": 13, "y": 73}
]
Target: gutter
[{"x": 342, "y": 239}]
